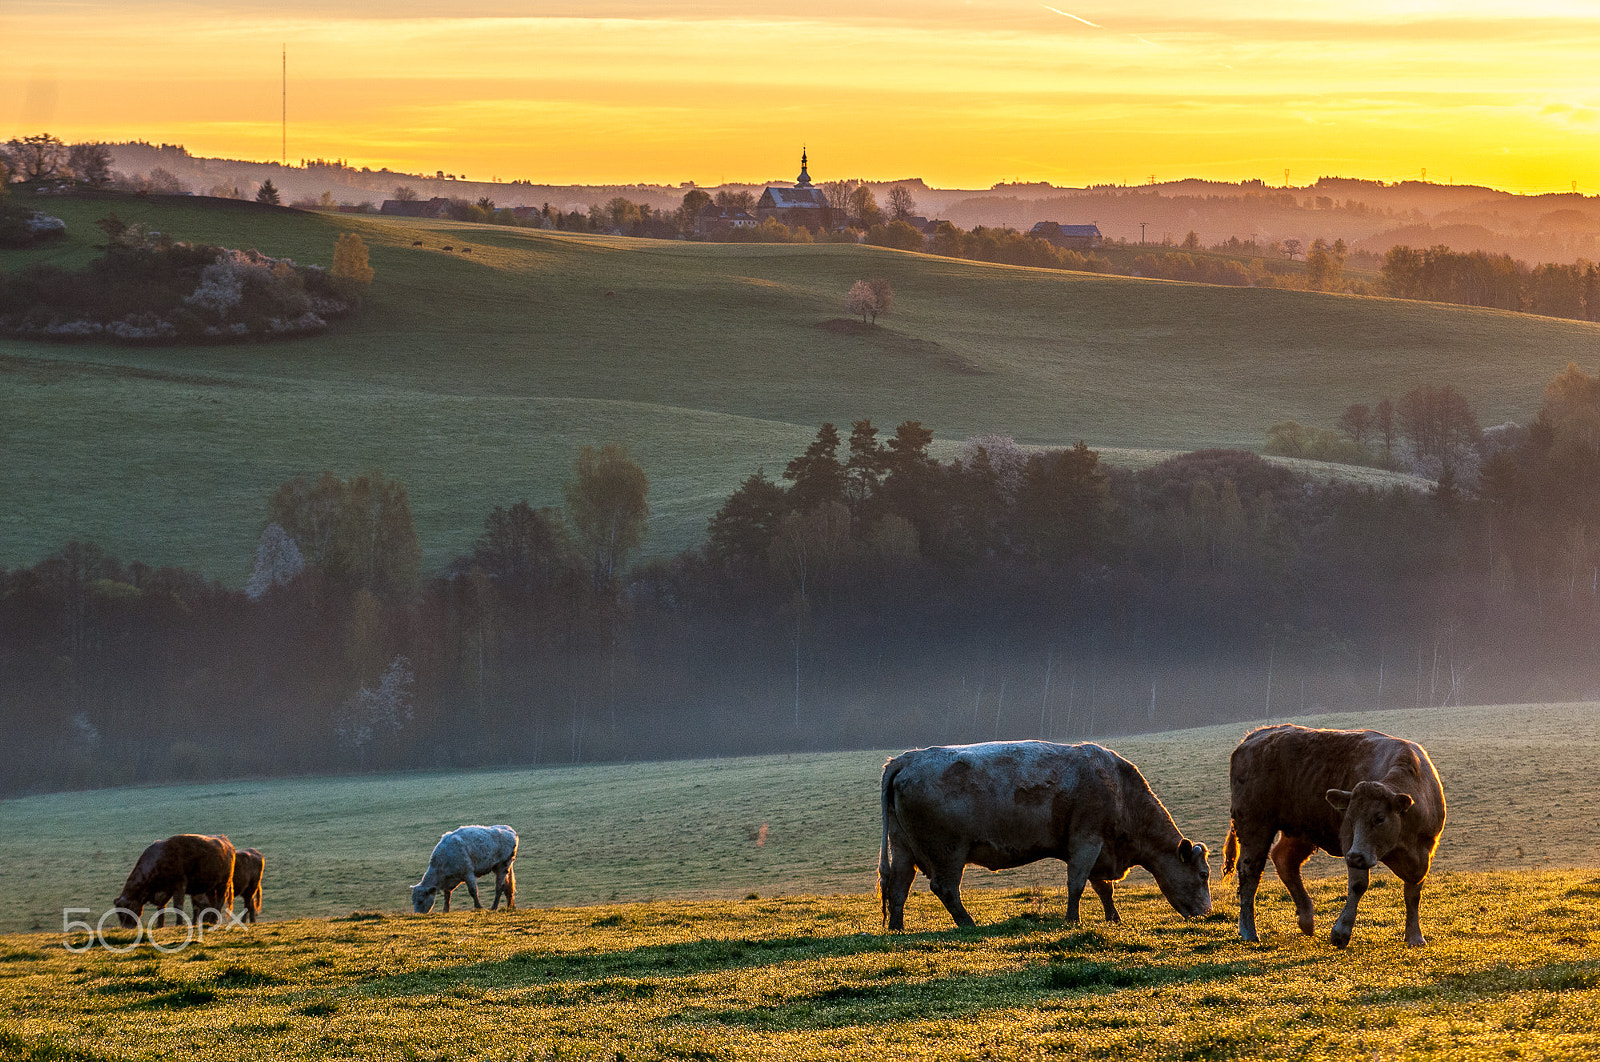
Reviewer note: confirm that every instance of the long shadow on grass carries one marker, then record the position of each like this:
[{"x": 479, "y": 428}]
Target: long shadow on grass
[
  {"x": 1497, "y": 980},
  {"x": 963, "y": 996},
  {"x": 528, "y": 968}
]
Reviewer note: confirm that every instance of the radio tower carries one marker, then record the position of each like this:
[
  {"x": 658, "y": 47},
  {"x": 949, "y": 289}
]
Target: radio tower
[{"x": 285, "y": 157}]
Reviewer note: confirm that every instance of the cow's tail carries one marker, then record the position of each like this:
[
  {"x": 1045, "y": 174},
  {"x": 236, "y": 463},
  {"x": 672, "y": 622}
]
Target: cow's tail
[
  {"x": 890, "y": 770},
  {"x": 1230, "y": 851}
]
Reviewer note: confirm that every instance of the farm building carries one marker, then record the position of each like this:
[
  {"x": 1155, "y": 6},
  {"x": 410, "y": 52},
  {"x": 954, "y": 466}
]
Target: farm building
[{"x": 1072, "y": 237}]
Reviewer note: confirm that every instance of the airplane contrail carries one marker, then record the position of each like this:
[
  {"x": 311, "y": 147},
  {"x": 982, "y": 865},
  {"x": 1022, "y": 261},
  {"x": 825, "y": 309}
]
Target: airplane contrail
[{"x": 1069, "y": 14}]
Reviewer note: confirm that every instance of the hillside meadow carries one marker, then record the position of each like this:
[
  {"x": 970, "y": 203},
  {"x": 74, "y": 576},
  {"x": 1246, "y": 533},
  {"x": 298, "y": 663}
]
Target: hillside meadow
[
  {"x": 791, "y": 962},
  {"x": 474, "y": 377},
  {"x": 1519, "y": 780}
]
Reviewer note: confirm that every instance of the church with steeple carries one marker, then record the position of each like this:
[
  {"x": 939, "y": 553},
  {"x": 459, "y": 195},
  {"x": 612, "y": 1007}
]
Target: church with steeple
[{"x": 803, "y": 204}]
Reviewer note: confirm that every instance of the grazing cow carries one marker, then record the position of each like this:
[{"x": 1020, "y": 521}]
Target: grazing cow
[
  {"x": 1006, "y": 803},
  {"x": 459, "y": 857},
  {"x": 247, "y": 867},
  {"x": 416, "y": 243},
  {"x": 188, "y": 863},
  {"x": 1366, "y": 796}
]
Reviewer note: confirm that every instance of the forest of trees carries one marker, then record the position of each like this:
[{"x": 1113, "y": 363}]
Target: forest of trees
[
  {"x": 1475, "y": 278},
  {"x": 870, "y": 596}
]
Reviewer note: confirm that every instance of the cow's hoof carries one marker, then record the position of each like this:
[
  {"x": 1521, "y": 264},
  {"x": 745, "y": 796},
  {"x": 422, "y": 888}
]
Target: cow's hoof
[
  {"x": 1340, "y": 937},
  {"x": 1308, "y": 927},
  {"x": 1249, "y": 936},
  {"x": 1416, "y": 942}
]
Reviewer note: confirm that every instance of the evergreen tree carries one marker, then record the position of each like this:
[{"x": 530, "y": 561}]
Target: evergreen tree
[
  {"x": 268, "y": 193},
  {"x": 817, "y": 475}
]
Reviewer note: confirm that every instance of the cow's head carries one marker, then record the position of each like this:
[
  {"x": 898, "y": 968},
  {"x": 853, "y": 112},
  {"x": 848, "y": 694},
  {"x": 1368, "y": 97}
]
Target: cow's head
[
  {"x": 1373, "y": 816},
  {"x": 1185, "y": 879},
  {"x": 128, "y": 910},
  {"x": 422, "y": 898}
]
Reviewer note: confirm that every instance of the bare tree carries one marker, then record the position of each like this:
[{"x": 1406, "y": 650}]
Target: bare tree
[
  {"x": 839, "y": 193},
  {"x": 90, "y": 163},
  {"x": 406, "y": 194},
  {"x": 1383, "y": 422},
  {"x": 901, "y": 205},
  {"x": 1356, "y": 421},
  {"x": 1291, "y": 247},
  {"x": 36, "y": 158}
]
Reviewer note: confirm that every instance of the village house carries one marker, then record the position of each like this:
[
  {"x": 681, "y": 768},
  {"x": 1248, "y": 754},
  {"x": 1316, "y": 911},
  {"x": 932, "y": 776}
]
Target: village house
[
  {"x": 713, "y": 221},
  {"x": 1068, "y": 237},
  {"x": 415, "y": 208}
]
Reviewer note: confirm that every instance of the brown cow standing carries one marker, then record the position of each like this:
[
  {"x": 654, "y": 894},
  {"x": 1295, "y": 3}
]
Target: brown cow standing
[
  {"x": 1007, "y": 803},
  {"x": 247, "y": 868},
  {"x": 187, "y": 863},
  {"x": 1366, "y": 796}
]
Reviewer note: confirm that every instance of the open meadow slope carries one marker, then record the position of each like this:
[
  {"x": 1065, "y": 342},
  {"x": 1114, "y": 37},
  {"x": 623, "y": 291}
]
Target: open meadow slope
[
  {"x": 1519, "y": 781},
  {"x": 1510, "y": 970},
  {"x": 474, "y": 377}
]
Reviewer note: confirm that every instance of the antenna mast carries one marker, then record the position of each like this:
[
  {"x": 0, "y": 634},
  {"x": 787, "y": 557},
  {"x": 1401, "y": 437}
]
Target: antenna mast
[{"x": 285, "y": 157}]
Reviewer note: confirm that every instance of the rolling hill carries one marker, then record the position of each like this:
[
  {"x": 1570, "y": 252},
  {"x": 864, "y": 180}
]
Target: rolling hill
[{"x": 475, "y": 376}]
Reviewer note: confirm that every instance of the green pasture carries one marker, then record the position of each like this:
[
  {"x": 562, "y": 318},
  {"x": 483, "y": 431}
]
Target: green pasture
[
  {"x": 475, "y": 376},
  {"x": 1519, "y": 781}
]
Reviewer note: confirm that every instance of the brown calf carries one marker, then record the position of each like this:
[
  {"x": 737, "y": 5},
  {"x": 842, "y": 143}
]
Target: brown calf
[
  {"x": 247, "y": 868},
  {"x": 1366, "y": 796}
]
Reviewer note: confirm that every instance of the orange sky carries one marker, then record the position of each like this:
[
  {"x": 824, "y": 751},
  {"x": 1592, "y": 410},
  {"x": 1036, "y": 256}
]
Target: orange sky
[{"x": 960, "y": 92}]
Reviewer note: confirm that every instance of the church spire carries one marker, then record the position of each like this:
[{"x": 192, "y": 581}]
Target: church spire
[{"x": 804, "y": 180}]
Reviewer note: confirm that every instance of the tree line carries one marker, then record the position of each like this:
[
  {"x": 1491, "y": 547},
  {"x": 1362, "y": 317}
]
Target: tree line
[
  {"x": 1476, "y": 278},
  {"x": 868, "y": 595}
]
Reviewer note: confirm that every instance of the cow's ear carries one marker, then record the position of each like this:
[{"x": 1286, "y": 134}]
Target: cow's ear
[
  {"x": 1339, "y": 798},
  {"x": 1402, "y": 802},
  {"x": 1185, "y": 850}
]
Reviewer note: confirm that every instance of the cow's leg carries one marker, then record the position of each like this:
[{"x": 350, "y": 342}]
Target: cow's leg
[
  {"x": 1253, "y": 850},
  {"x": 505, "y": 881},
  {"x": 1414, "y": 914},
  {"x": 447, "y": 893},
  {"x": 945, "y": 880},
  {"x": 472, "y": 890},
  {"x": 1289, "y": 855},
  {"x": 1081, "y": 858},
  {"x": 1359, "y": 879},
  {"x": 1103, "y": 890},
  {"x": 895, "y": 885}
]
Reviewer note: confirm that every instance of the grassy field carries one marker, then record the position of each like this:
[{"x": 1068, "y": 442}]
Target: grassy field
[
  {"x": 1519, "y": 781},
  {"x": 1510, "y": 973},
  {"x": 474, "y": 377}
]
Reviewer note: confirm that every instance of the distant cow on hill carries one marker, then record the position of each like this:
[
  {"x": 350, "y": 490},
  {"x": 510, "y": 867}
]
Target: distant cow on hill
[
  {"x": 248, "y": 866},
  {"x": 1366, "y": 796},
  {"x": 459, "y": 857},
  {"x": 185, "y": 864},
  {"x": 1006, "y": 803}
]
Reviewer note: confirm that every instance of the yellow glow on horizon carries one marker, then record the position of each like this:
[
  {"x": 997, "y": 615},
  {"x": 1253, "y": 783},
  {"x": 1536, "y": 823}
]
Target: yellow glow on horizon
[{"x": 961, "y": 94}]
